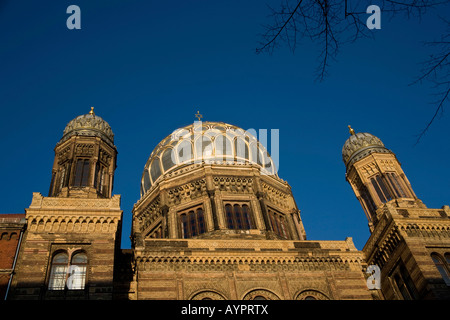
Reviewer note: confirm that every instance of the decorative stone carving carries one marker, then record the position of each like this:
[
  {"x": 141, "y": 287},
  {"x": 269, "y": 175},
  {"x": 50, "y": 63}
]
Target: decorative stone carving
[
  {"x": 275, "y": 195},
  {"x": 104, "y": 156},
  {"x": 84, "y": 149},
  {"x": 149, "y": 215},
  {"x": 234, "y": 184},
  {"x": 64, "y": 154},
  {"x": 187, "y": 192}
]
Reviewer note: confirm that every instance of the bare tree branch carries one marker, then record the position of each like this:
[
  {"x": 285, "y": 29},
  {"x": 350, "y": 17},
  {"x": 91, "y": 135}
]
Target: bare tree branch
[{"x": 333, "y": 23}]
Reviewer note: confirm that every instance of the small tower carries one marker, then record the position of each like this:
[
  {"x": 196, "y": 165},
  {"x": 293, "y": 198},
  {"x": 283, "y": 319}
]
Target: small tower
[
  {"x": 72, "y": 237},
  {"x": 409, "y": 245},
  {"x": 376, "y": 175},
  {"x": 85, "y": 159}
]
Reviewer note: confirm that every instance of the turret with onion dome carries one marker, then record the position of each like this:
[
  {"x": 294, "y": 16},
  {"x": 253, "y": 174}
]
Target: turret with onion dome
[
  {"x": 213, "y": 180},
  {"x": 85, "y": 159},
  {"x": 90, "y": 125},
  {"x": 375, "y": 175},
  {"x": 359, "y": 145}
]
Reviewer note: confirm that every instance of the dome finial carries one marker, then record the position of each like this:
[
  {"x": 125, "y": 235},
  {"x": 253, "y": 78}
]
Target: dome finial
[
  {"x": 92, "y": 111},
  {"x": 352, "y": 132},
  {"x": 199, "y": 116}
]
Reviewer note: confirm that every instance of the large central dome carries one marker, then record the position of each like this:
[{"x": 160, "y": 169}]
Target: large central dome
[{"x": 205, "y": 142}]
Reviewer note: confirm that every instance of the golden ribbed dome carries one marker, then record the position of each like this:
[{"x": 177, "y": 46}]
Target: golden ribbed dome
[
  {"x": 360, "y": 145},
  {"x": 205, "y": 142},
  {"x": 89, "y": 125}
]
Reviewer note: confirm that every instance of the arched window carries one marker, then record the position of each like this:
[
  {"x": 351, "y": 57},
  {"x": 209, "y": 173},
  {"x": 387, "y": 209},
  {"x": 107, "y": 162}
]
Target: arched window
[
  {"x": 62, "y": 178},
  {"x": 81, "y": 173},
  {"x": 370, "y": 205},
  {"x": 184, "y": 151},
  {"x": 229, "y": 215},
  {"x": 58, "y": 272},
  {"x": 279, "y": 224},
  {"x": 100, "y": 178},
  {"x": 68, "y": 275},
  {"x": 201, "y": 221},
  {"x": 203, "y": 148},
  {"x": 404, "y": 283},
  {"x": 442, "y": 266},
  {"x": 184, "y": 226},
  {"x": 396, "y": 185},
  {"x": 155, "y": 170},
  {"x": 241, "y": 149},
  {"x": 381, "y": 189},
  {"x": 246, "y": 217},
  {"x": 77, "y": 272},
  {"x": 168, "y": 159},
  {"x": 192, "y": 223},
  {"x": 223, "y": 147},
  {"x": 238, "y": 216},
  {"x": 146, "y": 183}
]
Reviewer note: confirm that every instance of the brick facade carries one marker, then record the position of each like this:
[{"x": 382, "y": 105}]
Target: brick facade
[{"x": 11, "y": 230}]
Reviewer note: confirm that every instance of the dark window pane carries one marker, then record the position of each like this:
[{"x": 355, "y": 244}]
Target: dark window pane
[
  {"x": 368, "y": 200},
  {"x": 192, "y": 223},
  {"x": 168, "y": 159},
  {"x": 237, "y": 216},
  {"x": 201, "y": 221},
  {"x": 229, "y": 214},
  {"x": 384, "y": 188},
  {"x": 85, "y": 179},
  {"x": 185, "y": 229},
  {"x": 440, "y": 265},
  {"x": 397, "y": 187},
  {"x": 283, "y": 227},
  {"x": 155, "y": 170},
  {"x": 78, "y": 173},
  {"x": 246, "y": 217},
  {"x": 97, "y": 169},
  {"x": 378, "y": 190}
]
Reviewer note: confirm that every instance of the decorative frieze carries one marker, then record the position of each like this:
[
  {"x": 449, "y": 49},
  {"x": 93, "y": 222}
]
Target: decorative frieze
[
  {"x": 151, "y": 213},
  {"x": 276, "y": 196},
  {"x": 369, "y": 169},
  {"x": 52, "y": 203},
  {"x": 72, "y": 224},
  {"x": 241, "y": 185},
  {"x": 426, "y": 230},
  {"x": 84, "y": 149},
  {"x": 104, "y": 156},
  {"x": 261, "y": 263},
  {"x": 186, "y": 192},
  {"x": 64, "y": 154}
]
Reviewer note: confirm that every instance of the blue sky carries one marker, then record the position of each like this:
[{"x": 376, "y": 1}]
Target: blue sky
[{"x": 148, "y": 66}]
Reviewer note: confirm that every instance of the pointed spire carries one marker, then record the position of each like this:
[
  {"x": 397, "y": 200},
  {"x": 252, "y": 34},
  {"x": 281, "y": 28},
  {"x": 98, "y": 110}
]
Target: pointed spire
[
  {"x": 352, "y": 132},
  {"x": 92, "y": 111}
]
